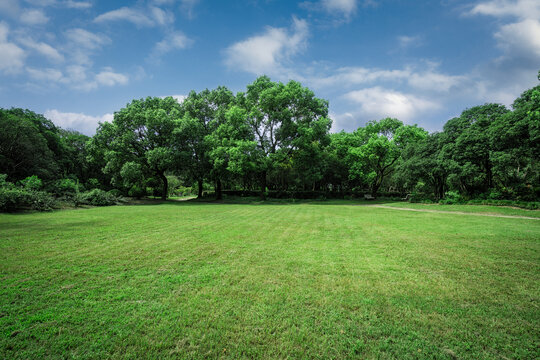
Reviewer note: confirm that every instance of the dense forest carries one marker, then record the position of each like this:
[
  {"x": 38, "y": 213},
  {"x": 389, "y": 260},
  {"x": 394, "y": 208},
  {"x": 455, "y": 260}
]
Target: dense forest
[{"x": 273, "y": 140}]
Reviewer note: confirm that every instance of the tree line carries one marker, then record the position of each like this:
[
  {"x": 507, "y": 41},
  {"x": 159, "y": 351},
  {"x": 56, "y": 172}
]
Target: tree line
[{"x": 273, "y": 139}]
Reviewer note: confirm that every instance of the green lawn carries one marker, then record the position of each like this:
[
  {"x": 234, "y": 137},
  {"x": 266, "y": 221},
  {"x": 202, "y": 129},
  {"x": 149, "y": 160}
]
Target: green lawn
[{"x": 195, "y": 280}]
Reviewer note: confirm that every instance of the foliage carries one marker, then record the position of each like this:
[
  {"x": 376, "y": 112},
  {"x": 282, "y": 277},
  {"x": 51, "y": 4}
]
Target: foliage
[
  {"x": 97, "y": 197},
  {"x": 275, "y": 137},
  {"x": 14, "y": 198}
]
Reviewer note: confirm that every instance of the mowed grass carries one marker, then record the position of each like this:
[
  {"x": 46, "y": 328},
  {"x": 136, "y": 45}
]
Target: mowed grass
[{"x": 194, "y": 280}]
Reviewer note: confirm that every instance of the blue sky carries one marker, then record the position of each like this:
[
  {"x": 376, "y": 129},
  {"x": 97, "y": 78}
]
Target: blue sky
[{"x": 79, "y": 61}]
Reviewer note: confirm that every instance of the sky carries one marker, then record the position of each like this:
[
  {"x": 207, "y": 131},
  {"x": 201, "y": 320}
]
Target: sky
[{"x": 423, "y": 62}]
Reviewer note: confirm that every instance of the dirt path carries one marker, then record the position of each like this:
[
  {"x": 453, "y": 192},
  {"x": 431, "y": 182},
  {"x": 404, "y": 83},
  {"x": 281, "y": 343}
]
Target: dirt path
[{"x": 456, "y": 212}]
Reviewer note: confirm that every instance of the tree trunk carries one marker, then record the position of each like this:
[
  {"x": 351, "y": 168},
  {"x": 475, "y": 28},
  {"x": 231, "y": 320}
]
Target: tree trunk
[
  {"x": 263, "y": 185},
  {"x": 219, "y": 195},
  {"x": 165, "y": 188},
  {"x": 200, "y": 185}
]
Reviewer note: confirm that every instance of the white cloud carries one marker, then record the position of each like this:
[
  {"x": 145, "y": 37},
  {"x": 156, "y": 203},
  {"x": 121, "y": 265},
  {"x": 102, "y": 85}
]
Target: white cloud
[
  {"x": 12, "y": 58},
  {"x": 108, "y": 77},
  {"x": 266, "y": 53},
  {"x": 42, "y": 48},
  {"x": 426, "y": 80},
  {"x": 346, "y": 7},
  {"x": 379, "y": 102},
  {"x": 504, "y": 78},
  {"x": 520, "y": 39},
  {"x": 78, "y": 4},
  {"x": 141, "y": 17},
  {"x": 409, "y": 41},
  {"x": 87, "y": 39},
  {"x": 523, "y": 9},
  {"x": 83, "y": 123},
  {"x": 45, "y": 74},
  {"x": 82, "y": 44},
  {"x": 179, "y": 98},
  {"x": 34, "y": 17},
  {"x": 173, "y": 41}
]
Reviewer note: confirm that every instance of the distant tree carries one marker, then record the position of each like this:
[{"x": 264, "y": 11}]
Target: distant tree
[
  {"x": 29, "y": 145},
  {"x": 468, "y": 144},
  {"x": 138, "y": 142},
  {"x": 284, "y": 119},
  {"x": 381, "y": 144},
  {"x": 202, "y": 114},
  {"x": 423, "y": 162},
  {"x": 515, "y": 142}
]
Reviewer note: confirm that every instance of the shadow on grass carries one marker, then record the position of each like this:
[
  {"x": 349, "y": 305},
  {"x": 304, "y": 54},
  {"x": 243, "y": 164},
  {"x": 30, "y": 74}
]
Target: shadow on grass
[{"x": 258, "y": 201}]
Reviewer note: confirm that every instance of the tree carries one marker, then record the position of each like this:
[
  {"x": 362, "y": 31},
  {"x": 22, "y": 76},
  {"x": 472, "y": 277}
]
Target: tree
[
  {"x": 138, "y": 141},
  {"x": 515, "y": 142},
  {"x": 382, "y": 143},
  {"x": 423, "y": 162},
  {"x": 467, "y": 143},
  {"x": 284, "y": 118},
  {"x": 202, "y": 114},
  {"x": 29, "y": 145}
]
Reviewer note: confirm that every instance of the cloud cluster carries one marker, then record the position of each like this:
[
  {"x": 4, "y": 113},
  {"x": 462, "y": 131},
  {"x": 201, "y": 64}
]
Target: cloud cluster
[
  {"x": 268, "y": 52},
  {"x": 518, "y": 37},
  {"x": 86, "y": 124},
  {"x": 12, "y": 59}
]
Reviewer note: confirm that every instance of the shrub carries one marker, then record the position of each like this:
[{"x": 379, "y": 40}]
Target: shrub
[
  {"x": 451, "y": 197},
  {"x": 98, "y": 197},
  {"x": 32, "y": 183},
  {"x": 14, "y": 198},
  {"x": 65, "y": 187}
]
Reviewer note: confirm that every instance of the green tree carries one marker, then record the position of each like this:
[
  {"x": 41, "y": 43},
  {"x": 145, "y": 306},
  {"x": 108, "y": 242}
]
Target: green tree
[
  {"x": 138, "y": 142},
  {"x": 29, "y": 145},
  {"x": 381, "y": 145},
  {"x": 284, "y": 118},
  {"x": 468, "y": 145}
]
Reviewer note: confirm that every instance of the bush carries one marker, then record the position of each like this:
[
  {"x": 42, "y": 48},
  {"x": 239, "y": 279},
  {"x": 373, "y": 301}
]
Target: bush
[
  {"x": 32, "y": 183},
  {"x": 65, "y": 187},
  {"x": 98, "y": 197},
  {"x": 14, "y": 198},
  {"x": 451, "y": 197}
]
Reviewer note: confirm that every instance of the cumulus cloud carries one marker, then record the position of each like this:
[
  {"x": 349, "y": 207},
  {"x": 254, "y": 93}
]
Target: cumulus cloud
[
  {"x": 151, "y": 16},
  {"x": 518, "y": 37},
  {"x": 12, "y": 59},
  {"x": 377, "y": 102},
  {"x": 108, "y": 77},
  {"x": 267, "y": 52},
  {"x": 83, "y": 123},
  {"x": 34, "y": 17},
  {"x": 523, "y": 9}
]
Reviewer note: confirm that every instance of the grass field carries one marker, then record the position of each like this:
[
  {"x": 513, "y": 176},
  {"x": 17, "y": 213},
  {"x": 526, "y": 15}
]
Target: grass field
[{"x": 314, "y": 280}]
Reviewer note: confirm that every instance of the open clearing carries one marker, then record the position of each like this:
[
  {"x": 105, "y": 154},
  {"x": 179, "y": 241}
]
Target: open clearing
[{"x": 314, "y": 280}]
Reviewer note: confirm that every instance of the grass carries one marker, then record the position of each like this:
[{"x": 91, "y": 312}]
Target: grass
[
  {"x": 484, "y": 209},
  {"x": 310, "y": 280}
]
